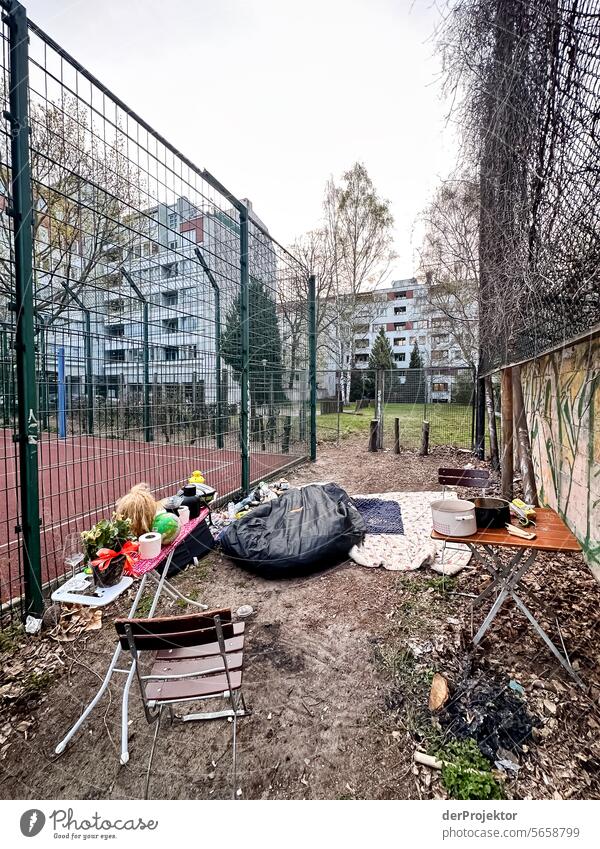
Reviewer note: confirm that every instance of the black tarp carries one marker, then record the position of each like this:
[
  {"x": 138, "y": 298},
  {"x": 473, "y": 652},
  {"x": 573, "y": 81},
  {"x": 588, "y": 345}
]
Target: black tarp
[{"x": 301, "y": 531}]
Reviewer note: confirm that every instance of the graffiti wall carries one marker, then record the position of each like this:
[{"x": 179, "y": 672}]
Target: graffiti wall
[{"x": 562, "y": 399}]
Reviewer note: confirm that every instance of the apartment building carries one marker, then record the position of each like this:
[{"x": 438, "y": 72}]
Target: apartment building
[{"x": 405, "y": 311}]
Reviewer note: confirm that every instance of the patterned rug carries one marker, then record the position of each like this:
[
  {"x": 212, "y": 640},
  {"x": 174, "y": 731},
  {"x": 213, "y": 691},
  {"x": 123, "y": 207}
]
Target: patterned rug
[
  {"x": 413, "y": 547},
  {"x": 381, "y": 516}
]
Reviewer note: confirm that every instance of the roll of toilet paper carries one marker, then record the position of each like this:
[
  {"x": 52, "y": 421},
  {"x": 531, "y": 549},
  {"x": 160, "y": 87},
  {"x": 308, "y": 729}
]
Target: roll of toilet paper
[{"x": 150, "y": 545}]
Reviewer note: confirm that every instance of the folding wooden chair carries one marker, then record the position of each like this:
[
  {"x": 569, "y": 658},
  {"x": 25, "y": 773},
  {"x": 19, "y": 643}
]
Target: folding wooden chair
[
  {"x": 198, "y": 657},
  {"x": 462, "y": 477}
]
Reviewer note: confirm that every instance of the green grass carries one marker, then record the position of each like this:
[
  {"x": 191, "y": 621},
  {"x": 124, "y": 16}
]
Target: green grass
[{"x": 449, "y": 424}]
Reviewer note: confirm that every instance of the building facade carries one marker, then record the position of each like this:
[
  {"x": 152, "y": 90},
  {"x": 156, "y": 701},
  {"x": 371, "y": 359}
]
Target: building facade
[{"x": 406, "y": 313}]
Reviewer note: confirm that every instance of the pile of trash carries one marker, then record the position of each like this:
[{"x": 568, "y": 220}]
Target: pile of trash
[
  {"x": 221, "y": 519},
  {"x": 493, "y": 712}
]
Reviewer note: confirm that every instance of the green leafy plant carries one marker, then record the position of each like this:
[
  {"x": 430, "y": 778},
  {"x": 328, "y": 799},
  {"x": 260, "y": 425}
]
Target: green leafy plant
[
  {"x": 466, "y": 773},
  {"x": 108, "y": 533}
]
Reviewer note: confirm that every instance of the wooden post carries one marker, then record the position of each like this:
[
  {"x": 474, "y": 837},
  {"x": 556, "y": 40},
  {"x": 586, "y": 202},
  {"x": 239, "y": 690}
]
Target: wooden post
[
  {"x": 507, "y": 461},
  {"x": 373, "y": 436},
  {"x": 396, "y": 435},
  {"x": 424, "y": 440},
  {"x": 491, "y": 412},
  {"x": 524, "y": 445}
]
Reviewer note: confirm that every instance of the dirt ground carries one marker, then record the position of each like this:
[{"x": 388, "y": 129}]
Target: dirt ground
[{"x": 337, "y": 675}]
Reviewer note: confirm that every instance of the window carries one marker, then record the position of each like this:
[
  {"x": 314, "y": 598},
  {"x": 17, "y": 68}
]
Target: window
[
  {"x": 440, "y": 321},
  {"x": 400, "y": 340},
  {"x": 399, "y": 358},
  {"x": 173, "y": 245},
  {"x": 422, "y": 340},
  {"x": 191, "y": 352},
  {"x": 361, "y": 343},
  {"x": 399, "y": 294},
  {"x": 412, "y": 340},
  {"x": 115, "y": 356},
  {"x": 169, "y": 299},
  {"x": 440, "y": 387},
  {"x": 399, "y": 310},
  {"x": 170, "y": 325},
  {"x": 439, "y": 356},
  {"x": 136, "y": 355},
  {"x": 169, "y": 269},
  {"x": 441, "y": 338},
  {"x": 361, "y": 358},
  {"x": 420, "y": 325},
  {"x": 115, "y": 330},
  {"x": 400, "y": 325},
  {"x": 361, "y": 328},
  {"x": 171, "y": 354},
  {"x": 173, "y": 218}
]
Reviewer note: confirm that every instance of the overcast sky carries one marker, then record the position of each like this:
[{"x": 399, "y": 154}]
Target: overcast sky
[{"x": 274, "y": 96}]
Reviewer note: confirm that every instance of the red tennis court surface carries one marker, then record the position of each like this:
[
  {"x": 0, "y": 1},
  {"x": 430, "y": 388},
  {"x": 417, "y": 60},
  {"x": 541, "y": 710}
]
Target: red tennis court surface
[{"x": 82, "y": 477}]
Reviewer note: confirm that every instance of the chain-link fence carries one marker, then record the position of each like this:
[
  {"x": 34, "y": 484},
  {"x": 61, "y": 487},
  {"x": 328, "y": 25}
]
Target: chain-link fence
[
  {"x": 442, "y": 397},
  {"x": 146, "y": 329},
  {"x": 530, "y": 95}
]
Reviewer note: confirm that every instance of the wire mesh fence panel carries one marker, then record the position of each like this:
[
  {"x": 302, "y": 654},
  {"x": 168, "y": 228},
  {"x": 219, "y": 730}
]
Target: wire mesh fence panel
[
  {"x": 278, "y": 356},
  {"x": 138, "y": 260},
  {"x": 11, "y": 566},
  {"x": 443, "y": 397},
  {"x": 530, "y": 105}
]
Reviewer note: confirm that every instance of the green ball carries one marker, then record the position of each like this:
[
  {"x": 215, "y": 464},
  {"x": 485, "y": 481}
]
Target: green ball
[{"x": 167, "y": 525}]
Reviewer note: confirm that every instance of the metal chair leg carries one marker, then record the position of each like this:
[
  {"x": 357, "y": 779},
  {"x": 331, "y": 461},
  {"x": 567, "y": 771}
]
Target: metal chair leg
[
  {"x": 146, "y": 788},
  {"x": 233, "y": 795}
]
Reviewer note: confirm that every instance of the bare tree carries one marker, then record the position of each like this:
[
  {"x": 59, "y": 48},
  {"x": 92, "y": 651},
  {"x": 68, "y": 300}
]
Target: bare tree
[
  {"x": 449, "y": 261},
  {"x": 84, "y": 187},
  {"x": 358, "y": 228}
]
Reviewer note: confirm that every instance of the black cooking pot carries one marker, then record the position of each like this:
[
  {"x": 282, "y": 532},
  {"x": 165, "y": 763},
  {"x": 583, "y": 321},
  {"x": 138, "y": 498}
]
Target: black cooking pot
[{"x": 491, "y": 512}]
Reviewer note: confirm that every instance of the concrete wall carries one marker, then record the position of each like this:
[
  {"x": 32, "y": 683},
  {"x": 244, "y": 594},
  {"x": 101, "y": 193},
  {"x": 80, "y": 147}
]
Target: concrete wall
[{"x": 562, "y": 399}]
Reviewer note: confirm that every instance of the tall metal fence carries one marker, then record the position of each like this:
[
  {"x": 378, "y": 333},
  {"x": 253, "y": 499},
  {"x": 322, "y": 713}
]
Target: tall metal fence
[
  {"x": 444, "y": 397},
  {"x": 146, "y": 328}
]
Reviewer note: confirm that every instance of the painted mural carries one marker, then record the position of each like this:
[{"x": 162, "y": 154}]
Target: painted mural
[{"x": 562, "y": 398}]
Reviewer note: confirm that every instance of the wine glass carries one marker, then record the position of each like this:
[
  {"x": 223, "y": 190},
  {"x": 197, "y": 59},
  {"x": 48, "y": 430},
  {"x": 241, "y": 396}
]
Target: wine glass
[{"x": 73, "y": 551}]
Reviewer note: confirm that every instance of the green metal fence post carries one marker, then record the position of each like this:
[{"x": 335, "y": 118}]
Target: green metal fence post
[
  {"x": 147, "y": 423},
  {"x": 89, "y": 373},
  {"x": 22, "y": 213},
  {"x": 480, "y": 418},
  {"x": 219, "y": 369},
  {"x": 245, "y": 348},
  {"x": 312, "y": 362},
  {"x": 89, "y": 368}
]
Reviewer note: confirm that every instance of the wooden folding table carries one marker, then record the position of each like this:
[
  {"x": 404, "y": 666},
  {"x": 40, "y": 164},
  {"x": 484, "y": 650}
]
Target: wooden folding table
[{"x": 551, "y": 534}]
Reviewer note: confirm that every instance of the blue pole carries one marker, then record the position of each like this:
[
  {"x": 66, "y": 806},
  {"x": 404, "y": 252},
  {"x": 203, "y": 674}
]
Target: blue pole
[{"x": 62, "y": 395}]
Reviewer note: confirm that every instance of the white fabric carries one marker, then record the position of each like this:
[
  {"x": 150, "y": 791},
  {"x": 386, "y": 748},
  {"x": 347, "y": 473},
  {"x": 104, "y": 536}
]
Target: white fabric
[{"x": 414, "y": 548}]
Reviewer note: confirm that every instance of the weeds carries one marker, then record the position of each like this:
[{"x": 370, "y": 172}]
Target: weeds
[
  {"x": 466, "y": 774},
  {"x": 10, "y": 639}
]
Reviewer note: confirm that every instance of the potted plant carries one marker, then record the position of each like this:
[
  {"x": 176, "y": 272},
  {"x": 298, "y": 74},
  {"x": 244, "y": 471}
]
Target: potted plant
[{"x": 107, "y": 546}]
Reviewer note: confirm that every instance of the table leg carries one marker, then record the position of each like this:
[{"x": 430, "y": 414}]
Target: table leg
[
  {"x": 111, "y": 668},
  {"x": 174, "y": 593},
  {"x": 538, "y": 628},
  {"x": 508, "y": 581}
]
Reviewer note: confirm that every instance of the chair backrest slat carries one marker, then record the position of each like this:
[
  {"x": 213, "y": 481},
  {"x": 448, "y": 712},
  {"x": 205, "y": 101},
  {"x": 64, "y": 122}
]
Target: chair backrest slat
[
  {"x": 169, "y": 632},
  {"x": 463, "y": 477}
]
